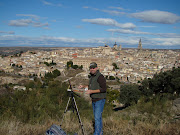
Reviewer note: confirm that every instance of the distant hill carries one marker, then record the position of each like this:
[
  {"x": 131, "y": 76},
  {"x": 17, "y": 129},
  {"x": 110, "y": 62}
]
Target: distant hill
[{"x": 6, "y": 51}]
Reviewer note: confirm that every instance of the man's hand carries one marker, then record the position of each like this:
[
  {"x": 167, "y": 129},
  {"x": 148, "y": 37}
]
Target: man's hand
[
  {"x": 92, "y": 91},
  {"x": 88, "y": 91}
]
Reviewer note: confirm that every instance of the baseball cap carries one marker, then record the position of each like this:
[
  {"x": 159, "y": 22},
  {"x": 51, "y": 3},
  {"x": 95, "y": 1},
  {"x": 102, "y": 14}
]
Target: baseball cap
[{"x": 93, "y": 65}]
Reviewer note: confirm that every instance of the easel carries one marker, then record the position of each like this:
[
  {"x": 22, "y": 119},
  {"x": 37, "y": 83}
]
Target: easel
[{"x": 74, "y": 106}]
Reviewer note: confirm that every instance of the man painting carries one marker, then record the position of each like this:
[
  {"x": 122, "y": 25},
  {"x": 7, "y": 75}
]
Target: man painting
[{"x": 97, "y": 90}]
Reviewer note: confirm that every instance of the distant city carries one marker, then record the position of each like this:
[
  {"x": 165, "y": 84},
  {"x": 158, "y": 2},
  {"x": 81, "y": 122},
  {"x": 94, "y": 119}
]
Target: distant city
[{"x": 133, "y": 64}]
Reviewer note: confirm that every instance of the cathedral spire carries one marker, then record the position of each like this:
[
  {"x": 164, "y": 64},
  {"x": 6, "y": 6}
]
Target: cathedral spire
[{"x": 140, "y": 45}]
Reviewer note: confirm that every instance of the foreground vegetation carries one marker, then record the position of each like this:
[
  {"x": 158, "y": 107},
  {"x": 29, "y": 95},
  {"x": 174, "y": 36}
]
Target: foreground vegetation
[
  {"x": 147, "y": 108},
  {"x": 128, "y": 121}
]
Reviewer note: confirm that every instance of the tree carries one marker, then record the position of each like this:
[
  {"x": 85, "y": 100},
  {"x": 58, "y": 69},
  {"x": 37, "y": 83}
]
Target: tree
[
  {"x": 52, "y": 63},
  {"x": 112, "y": 95},
  {"x": 69, "y": 64},
  {"x": 75, "y": 66},
  {"x": 129, "y": 94},
  {"x": 56, "y": 73},
  {"x": 176, "y": 85},
  {"x": 49, "y": 75},
  {"x": 115, "y": 66},
  {"x": 164, "y": 82},
  {"x": 47, "y": 64},
  {"x": 111, "y": 78},
  {"x": 157, "y": 83},
  {"x": 144, "y": 88},
  {"x": 81, "y": 67}
]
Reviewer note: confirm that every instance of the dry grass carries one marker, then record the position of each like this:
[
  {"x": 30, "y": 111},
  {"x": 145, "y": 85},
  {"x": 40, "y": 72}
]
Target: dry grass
[
  {"x": 115, "y": 124},
  {"x": 18, "y": 128}
]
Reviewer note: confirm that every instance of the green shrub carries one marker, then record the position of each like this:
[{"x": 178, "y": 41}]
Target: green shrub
[
  {"x": 38, "y": 104},
  {"x": 155, "y": 105},
  {"x": 112, "y": 95},
  {"x": 129, "y": 94}
]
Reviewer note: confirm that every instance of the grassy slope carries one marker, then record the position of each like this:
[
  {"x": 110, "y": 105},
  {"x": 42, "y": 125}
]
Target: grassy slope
[{"x": 129, "y": 121}]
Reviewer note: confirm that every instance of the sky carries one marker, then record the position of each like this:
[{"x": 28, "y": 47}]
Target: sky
[{"x": 90, "y": 23}]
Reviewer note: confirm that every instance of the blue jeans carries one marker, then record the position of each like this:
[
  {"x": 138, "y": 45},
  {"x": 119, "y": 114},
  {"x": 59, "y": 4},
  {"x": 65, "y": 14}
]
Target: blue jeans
[{"x": 98, "y": 107}]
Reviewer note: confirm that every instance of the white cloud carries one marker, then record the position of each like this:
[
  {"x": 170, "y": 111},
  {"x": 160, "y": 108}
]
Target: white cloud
[
  {"x": 156, "y": 16},
  {"x": 33, "y": 20},
  {"x": 26, "y": 22},
  {"x": 14, "y": 40},
  {"x": 127, "y": 31},
  {"x": 109, "y": 22},
  {"x": 153, "y": 16},
  {"x": 46, "y": 3},
  {"x": 7, "y": 32},
  {"x": 20, "y": 23},
  {"x": 126, "y": 41},
  {"x": 29, "y": 15},
  {"x": 113, "y": 12},
  {"x": 120, "y": 8},
  {"x": 147, "y": 26},
  {"x": 66, "y": 39},
  {"x": 168, "y": 35},
  {"x": 50, "y": 4},
  {"x": 38, "y": 24},
  {"x": 167, "y": 41}
]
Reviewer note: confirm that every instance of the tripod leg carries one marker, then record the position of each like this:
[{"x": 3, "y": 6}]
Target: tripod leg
[
  {"x": 65, "y": 110},
  {"x": 74, "y": 101}
]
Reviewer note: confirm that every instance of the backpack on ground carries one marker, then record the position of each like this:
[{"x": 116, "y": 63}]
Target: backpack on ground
[{"x": 55, "y": 130}]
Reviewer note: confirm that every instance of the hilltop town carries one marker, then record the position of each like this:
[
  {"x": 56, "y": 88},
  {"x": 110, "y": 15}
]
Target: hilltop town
[{"x": 133, "y": 64}]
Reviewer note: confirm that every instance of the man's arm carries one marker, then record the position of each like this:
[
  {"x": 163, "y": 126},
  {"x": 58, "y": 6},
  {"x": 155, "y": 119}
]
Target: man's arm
[
  {"x": 102, "y": 83},
  {"x": 92, "y": 91}
]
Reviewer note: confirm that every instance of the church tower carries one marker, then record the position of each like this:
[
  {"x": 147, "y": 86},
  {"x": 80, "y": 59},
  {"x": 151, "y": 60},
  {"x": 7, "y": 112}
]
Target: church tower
[
  {"x": 120, "y": 47},
  {"x": 115, "y": 47},
  {"x": 140, "y": 45}
]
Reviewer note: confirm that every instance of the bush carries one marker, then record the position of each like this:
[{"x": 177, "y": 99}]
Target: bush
[
  {"x": 164, "y": 82},
  {"x": 55, "y": 73},
  {"x": 69, "y": 64},
  {"x": 38, "y": 104},
  {"x": 111, "y": 78},
  {"x": 75, "y": 66},
  {"x": 129, "y": 94},
  {"x": 144, "y": 88},
  {"x": 112, "y": 95},
  {"x": 155, "y": 105}
]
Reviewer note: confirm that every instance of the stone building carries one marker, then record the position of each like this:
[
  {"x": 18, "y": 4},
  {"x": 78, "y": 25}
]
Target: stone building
[
  {"x": 85, "y": 62},
  {"x": 144, "y": 54},
  {"x": 103, "y": 50},
  {"x": 115, "y": 47}
]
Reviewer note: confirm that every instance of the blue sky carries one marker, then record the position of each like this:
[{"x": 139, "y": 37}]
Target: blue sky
[{"x": 90, "y": 23}]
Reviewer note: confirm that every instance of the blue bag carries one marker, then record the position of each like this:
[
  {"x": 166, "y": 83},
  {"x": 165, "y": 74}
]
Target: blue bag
[{"x": 55, "y": 130}]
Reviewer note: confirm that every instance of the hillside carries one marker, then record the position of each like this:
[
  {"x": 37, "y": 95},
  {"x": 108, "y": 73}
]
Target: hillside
[{"x": 149, "y": 108}]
